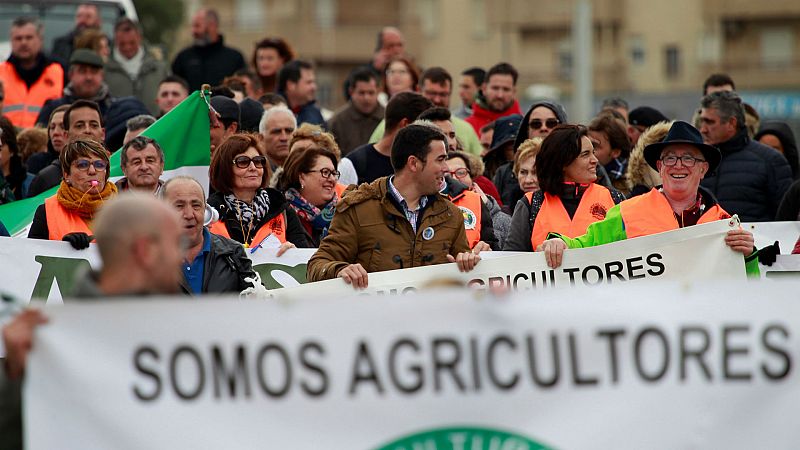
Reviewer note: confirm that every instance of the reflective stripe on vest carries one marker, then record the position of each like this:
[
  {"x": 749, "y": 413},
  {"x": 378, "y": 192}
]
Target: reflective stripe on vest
[
  {"x": 553, "y": 217},
  {"x": 470, "y": 205},
  {"x": 23, "y": 104},
  {"x": 650, "y": 213},
  {"x": 276, "y": 226},
  {"x": 61, "y": 221}
]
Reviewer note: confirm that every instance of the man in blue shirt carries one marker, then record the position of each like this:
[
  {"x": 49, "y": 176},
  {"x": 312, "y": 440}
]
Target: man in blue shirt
[{"x": 213, "y": 264}]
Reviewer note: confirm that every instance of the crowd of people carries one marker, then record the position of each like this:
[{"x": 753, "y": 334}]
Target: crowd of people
[
  {"x": 397, "y": 177},
  {"x": 281, "y": 166}
]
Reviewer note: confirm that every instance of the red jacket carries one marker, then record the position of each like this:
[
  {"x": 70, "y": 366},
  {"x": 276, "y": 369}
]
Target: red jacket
[{"x": 481, "y": 116}]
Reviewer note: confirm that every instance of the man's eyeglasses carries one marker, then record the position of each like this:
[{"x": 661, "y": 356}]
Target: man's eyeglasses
[
  {"x": 687, "y": 160},
  {"x": 326, "y": 173},
  {"x": 459, "y": 173},
  {"x": 83, "y": 164},
  {"x": 243, "y": 162},
  {"x": 536, "y": 124}
]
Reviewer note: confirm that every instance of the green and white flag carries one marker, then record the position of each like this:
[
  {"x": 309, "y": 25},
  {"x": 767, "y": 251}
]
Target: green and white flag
[{"x": 183, "y": 134}]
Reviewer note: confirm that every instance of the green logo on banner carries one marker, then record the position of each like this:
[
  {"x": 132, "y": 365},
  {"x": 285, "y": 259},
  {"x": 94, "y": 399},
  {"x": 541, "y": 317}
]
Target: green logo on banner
[
  {"x": 471, "y": 438},
  {"x": 60, "y": 270},
  {"x": 297, "y": 272}
]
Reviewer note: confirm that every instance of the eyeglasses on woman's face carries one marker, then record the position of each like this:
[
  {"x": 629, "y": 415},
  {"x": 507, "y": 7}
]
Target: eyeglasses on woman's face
[
  {"x": 459, "y": 173},
  {"x": 84, "y": 164},
  {"x": 327, "y": 173}
]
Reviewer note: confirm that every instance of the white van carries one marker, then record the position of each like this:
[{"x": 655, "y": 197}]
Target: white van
[{"x": 58, "y": 18}]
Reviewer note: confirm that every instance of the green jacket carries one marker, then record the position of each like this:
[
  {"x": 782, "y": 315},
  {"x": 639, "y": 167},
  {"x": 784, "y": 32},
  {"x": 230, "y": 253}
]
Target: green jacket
[{"x": 612, "y": 229}]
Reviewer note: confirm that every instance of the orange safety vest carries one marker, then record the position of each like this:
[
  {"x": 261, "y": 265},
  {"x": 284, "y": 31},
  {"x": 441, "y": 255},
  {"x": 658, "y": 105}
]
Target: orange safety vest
[
  {"x": 340, "y": 188},
  {"x": 22, "y": 105},
  {"x": 61, "y": 221},
  {"x": 650, "y": 213},
  {"x": 470, "y": 205},
  {"x": 553, "y": 217},
  {"x": 276, "y": 226}
]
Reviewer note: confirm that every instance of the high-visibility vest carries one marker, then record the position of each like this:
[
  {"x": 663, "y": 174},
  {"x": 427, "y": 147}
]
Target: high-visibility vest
[
  {"x": 553, "y": 217},
  {"x": 22, "y": 105},
  {"x": 470, "y": 205},
  {"x": 276, "y": 226},
  {"x": 340, "y": 188},
  {"x": 650, "y": 213},
  {"x": 61, "y": 221}
]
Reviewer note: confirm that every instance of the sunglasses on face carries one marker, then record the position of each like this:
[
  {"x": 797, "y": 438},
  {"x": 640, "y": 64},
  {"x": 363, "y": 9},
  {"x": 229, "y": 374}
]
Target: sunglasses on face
[
  {"x": 83, "y": 164},
  {"x": 243, "y": 162},
  {"x": 326, "y": 173},
  {"x": 549, "y": 123}
]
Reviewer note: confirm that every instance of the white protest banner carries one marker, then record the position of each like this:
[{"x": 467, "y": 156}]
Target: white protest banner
[
  {"x": 629, "y": 366},
  {"x": 766, "y": 233},
  {"x": 684, "y": 254},
  {"x": 38, "y": 269}
]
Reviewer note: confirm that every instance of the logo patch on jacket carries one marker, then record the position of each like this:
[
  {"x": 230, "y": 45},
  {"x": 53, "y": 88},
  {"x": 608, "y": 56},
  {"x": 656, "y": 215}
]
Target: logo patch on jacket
[
  {"x": 598, "y": 211},
  {"x": 470, "y": 220}
]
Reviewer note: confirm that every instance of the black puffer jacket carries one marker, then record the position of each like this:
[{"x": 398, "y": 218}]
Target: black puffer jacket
[
  {"x": 784, "y": 134},
  {"x": 750, "y": 180},
  {"x": 226, "y": 267}
]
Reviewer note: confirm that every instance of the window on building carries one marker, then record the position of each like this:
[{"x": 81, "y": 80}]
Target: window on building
[
  {"x": 672, "y": 61},
  {"x": 250, "y": 14},
  {"x": 777, "y": 49},
  {"x": 637, "y": 50},
  {"x": 565, "y": 60}
]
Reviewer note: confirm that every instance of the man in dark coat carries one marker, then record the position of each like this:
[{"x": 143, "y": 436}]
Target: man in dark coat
[
  {"x": 752, "y": 178},
  {"x": 213, "y": 263},
  {"x": 298, "y": 85},
  {"x": 207, "y": 60}
]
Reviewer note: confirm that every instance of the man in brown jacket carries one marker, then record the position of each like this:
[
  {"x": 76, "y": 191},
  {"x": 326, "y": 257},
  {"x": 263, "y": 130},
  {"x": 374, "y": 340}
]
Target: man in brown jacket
[{"x": 399, "y": 221}]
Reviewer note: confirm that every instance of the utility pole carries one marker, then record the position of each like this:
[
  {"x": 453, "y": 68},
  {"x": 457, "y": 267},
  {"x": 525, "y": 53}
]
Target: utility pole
[{"x": 582, "y": 61}]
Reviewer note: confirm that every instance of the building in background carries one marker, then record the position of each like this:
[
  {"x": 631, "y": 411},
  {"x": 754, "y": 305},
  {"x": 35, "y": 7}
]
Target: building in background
[{"x": 649, "y": 52}]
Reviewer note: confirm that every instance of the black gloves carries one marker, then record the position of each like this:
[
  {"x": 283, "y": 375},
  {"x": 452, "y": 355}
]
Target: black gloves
[
  {"x": 78, "y": 241},
  {"x": 766, "y": 255}
]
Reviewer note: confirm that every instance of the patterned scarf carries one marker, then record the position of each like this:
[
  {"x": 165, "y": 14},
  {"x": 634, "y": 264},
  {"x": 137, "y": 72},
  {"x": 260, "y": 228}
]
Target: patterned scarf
[
  {"x": 84, "y": 204},
  {"x": 319, "y": 219},
  {"x": 249, "y": 214}
]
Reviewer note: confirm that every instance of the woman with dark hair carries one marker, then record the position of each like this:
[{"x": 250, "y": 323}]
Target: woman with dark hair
[
  {"x": 612, "y": 148},
  {"x": 85, "y": 187},
  {"x": 57, "y": 139},
  {"x": 11, "y": 167},
  {"x": 569, "y": 199},
  {"x": 401, "y": 75},
  {"x": 249, "y": 211},
  {"x": 269, "y": 56},
  {"x": 309, "y": 182}
]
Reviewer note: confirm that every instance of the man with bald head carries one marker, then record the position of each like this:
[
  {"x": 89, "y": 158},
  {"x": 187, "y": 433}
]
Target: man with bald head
[
  {"x": 139, "y": 241},
  {"x": 212, "y": 263},
  {"x": 207, "y": 60}
]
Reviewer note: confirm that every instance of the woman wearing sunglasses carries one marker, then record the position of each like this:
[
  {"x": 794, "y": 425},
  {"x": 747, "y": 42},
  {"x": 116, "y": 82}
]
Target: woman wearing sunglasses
[
  {"x": 85, "y": 187},
  {"x": 310, "y": 183},
  {"x": 249, "y": 211},
  {"x": 569, "y": 200}
]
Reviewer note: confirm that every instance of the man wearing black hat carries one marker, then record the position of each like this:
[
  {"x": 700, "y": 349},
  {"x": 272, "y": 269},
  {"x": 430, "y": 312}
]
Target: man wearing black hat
[
  {"x": 642, "y": 118},
  {"x": 682, "y": 160},
  {"x": 227, "y": 123},
  {"x": 85, "y": 83}
]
